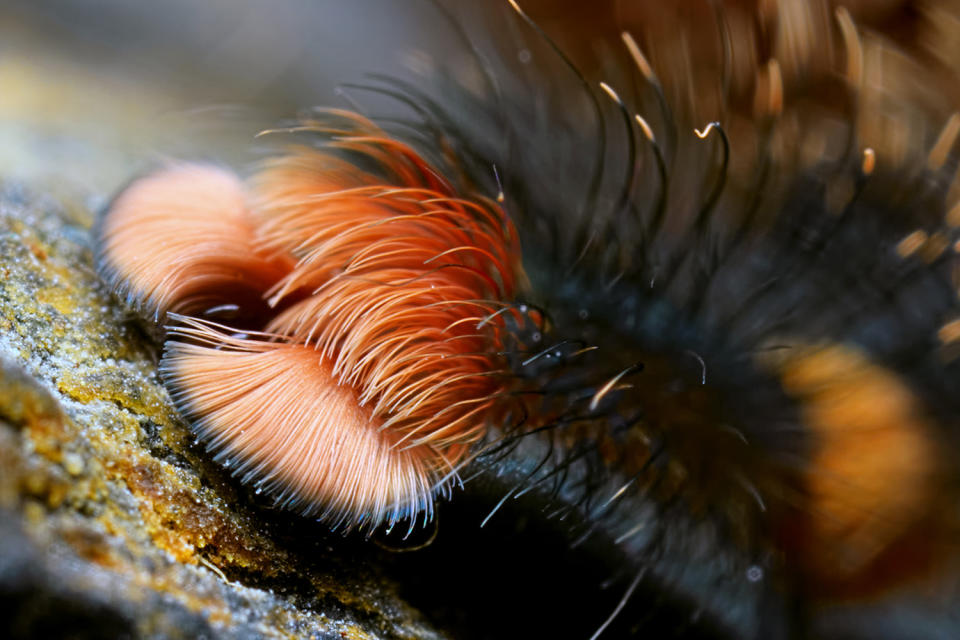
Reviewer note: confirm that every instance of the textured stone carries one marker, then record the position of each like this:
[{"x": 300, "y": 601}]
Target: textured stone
[{"x": 113, "y": 522}]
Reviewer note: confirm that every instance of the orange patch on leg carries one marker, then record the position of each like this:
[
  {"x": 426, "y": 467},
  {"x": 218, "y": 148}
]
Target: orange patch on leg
[{"x": 872, "y": 476}]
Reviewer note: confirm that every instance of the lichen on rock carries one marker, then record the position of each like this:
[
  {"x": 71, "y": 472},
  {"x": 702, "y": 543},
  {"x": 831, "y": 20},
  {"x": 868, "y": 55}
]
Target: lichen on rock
[{"x": 113, "y": 521}]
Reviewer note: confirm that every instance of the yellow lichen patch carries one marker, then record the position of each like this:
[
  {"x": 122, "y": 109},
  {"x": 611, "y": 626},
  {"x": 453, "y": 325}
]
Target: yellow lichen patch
[
  {"x": 182, "y": 524},
  {"x": 26, "y": 404},
  {"x": 872, "y": 474},
  {"x": 353, "y": 632},
  {"x": 91, "y": 385},
  {"x": 23, "y": 480},
  {"x": 59, "y": 299},
  {"x": 39, "y": 252},
  {"x": 23, "y": 403}
]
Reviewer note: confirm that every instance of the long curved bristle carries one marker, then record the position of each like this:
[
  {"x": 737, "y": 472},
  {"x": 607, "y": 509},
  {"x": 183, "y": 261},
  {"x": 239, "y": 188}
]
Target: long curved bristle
[{"x": 180, "y": 240}]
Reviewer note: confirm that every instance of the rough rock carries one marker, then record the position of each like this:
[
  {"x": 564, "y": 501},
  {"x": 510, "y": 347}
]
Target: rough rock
[{"x": 113, "y": 522}]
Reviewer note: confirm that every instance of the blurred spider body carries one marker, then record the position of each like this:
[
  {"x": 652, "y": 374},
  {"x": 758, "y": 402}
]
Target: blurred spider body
[{"x": 683, "y": 297}]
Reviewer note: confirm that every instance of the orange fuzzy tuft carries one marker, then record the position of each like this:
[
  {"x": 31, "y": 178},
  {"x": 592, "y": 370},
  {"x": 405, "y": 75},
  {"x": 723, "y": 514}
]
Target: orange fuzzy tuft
[
  {"x": 378, "y": 366},
  {"x": 181, "y": 240},
  {"x": 274, "y": 413},
  {"x": 404, "y": 279}
]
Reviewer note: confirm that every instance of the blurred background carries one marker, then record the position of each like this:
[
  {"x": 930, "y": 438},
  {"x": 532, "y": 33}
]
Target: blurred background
[
  {"x": 93, "y": 90},
  {"x": 90, "y": 91}
]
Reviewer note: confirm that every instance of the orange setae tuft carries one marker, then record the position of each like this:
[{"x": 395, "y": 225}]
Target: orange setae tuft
[
  {"x": 403, "y": 278},
  {"x": 377, "y": 368},
  {"x": 275, "y": 415},
  {"x": 181, "y": 240}
]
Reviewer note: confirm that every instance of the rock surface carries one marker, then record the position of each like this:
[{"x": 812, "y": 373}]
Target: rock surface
[{"x": 113, "y": 521}]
